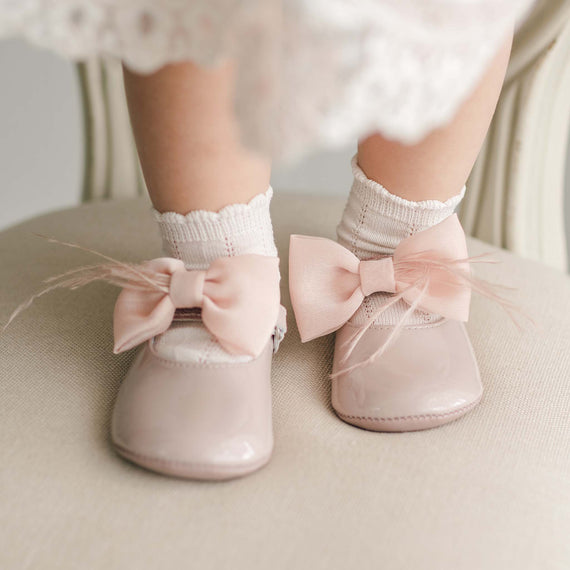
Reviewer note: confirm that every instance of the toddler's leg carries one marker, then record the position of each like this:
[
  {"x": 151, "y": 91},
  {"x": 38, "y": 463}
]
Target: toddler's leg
[
  {"x": 211, "y": 195},
  {"x": 188, "y": 141},
  {"x": 187, "y": 407},
  {"x": 399, "y": 190},
  {"x": 437, "y": 167}
]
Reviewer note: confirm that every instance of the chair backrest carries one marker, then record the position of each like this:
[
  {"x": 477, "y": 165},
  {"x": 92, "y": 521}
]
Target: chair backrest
[
  {"x": 111, "y": 165},
  {"x": 516, "y": 190}
]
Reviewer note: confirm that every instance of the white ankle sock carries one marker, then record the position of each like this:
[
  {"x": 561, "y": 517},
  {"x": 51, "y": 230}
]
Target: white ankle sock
[
  {"x": 374, "y": 222},
  {"x": 198, "y": 238}
]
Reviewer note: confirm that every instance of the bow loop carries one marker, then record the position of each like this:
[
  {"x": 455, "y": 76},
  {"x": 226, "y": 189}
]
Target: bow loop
[
  {"x": 139, "y": 309},
  {"x": 324, "y": 285},
  {"x": 241, "y": 301},
  {"x": 443, "y": 283}
]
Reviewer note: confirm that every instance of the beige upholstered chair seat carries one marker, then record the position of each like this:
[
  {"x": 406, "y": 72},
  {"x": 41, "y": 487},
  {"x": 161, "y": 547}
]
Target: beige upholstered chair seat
[{"x": 489, "y": 491}]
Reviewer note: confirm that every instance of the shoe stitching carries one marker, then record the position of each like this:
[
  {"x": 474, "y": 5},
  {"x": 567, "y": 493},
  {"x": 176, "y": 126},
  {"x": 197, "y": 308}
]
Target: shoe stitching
[{"x": 412, "y": 417}]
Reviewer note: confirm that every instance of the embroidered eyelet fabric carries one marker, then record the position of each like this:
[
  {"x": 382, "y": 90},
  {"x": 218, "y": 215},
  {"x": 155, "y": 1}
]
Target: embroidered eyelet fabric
[{"x": 311, "y": 73}]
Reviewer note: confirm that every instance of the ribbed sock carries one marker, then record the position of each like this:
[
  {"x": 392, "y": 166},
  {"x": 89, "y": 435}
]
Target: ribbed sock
[{"x": 374, "y": 222}]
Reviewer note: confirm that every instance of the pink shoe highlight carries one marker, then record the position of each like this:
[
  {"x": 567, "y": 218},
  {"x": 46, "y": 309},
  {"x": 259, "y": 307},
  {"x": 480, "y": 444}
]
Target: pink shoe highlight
[
  {"x": 197, "y": 420},
  {"x": 427, "y": 377},
  {"x": 193, "y": 420}
]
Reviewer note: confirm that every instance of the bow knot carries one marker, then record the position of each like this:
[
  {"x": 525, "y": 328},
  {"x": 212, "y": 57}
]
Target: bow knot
[
  {"x": 377, "y": 275},
  {"x": 187, "y": 288}
]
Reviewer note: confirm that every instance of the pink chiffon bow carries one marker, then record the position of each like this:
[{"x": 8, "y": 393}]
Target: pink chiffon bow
[
  {"x": 430, "y": 270},
  {"x": 328, "y": 283},
  {"x": 238, "y": 296}
]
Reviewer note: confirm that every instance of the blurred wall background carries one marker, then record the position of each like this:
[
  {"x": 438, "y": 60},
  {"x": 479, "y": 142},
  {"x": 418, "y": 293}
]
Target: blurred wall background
[{"x": 41, "y": 152}]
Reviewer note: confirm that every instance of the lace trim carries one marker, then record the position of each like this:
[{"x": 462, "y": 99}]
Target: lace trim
[{"x": 312, "y": 73}]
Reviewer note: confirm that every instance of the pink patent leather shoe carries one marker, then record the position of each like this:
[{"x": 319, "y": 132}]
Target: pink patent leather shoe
[
  {"x": 427, "y": 377},
  {"x": 393, "y": 378},
  {"x": 194, "y": 420},
  {"x": 200, "y": 420}
]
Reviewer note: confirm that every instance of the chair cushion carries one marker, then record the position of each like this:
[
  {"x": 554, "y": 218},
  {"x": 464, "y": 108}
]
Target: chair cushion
[{"x": 490, "y": 490}]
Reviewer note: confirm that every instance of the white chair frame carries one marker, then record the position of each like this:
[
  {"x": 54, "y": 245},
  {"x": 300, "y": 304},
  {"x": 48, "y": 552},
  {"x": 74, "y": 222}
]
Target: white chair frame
[{"x": 516, "y": 189}]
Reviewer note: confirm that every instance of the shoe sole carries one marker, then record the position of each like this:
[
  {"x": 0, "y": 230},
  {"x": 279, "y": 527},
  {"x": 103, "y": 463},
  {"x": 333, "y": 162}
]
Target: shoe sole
[
  {"x": 406, "y": 423},
  {"x": 196, "y": 471}
]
